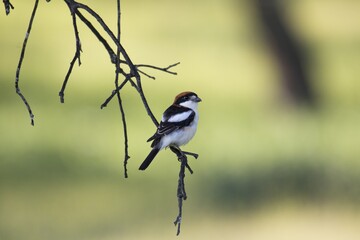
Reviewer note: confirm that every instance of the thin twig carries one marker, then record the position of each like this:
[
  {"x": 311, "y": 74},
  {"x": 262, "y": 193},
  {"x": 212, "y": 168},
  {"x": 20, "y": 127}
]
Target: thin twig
[
  {"x": 164, "y": 69},
  {"x": 76, "y": 55},
  {"x": 126, "y": 147},
  {"x": 147, "y": 75},
  {"x": 113, "y": 93},
  {"x": 17, "y": 88},
  {"x": 145, "y": 103}
]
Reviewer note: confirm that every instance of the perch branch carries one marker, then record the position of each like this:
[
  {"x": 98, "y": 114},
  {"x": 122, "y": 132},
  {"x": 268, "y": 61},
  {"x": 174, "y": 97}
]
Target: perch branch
[{"x": 181, "y": 193}]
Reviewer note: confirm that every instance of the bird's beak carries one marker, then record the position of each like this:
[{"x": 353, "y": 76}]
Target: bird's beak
[{"x": 197, "y": 99}]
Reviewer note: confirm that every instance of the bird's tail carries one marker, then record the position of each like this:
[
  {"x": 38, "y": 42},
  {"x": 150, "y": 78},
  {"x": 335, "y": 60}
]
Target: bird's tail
[{"x": 149, "y": 158}]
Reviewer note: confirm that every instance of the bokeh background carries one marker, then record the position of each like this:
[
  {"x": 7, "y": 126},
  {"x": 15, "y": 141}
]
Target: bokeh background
[{"x": 269, "y": 167}]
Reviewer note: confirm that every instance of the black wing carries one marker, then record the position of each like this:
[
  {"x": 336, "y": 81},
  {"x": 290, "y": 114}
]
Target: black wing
[{"x": 175, "y": 117}]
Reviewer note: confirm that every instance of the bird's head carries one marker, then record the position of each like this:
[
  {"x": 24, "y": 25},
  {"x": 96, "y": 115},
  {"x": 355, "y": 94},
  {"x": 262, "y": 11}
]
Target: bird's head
[{"x": 187, "y": 99}]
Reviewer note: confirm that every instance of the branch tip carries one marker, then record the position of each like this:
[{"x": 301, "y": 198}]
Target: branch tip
[{"x": 8, "y": 6}]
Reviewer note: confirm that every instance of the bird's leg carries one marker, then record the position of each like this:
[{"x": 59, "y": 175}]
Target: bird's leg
[
  {"x": 177, "y": 151},
  {"x": 180, "y": 152}
]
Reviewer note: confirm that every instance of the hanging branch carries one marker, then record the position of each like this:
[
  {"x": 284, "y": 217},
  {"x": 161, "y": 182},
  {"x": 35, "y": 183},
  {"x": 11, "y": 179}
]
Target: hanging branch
[
  {"x": 126, "y": 146},
  {"x": 22, "y": 55},
  {"x": 76, "y": 55},
  {"x": 123, "y": 118},
  {"x": 8, "y": 6}
]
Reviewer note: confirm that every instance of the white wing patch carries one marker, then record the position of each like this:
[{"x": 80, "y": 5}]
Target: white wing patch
[{"x": 180, "y": 117}]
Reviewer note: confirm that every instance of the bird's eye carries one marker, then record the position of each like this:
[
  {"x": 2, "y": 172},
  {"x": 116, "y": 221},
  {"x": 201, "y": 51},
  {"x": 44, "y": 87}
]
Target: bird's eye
[{"x": 186, "y": 98}]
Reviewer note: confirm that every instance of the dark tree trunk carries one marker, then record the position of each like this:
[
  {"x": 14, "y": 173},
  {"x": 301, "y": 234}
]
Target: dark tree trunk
[{"x": 287, "y": 51}]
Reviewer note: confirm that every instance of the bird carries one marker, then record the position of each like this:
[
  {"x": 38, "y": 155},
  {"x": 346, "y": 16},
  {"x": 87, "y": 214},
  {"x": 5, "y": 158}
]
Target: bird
[{"x": 177, "y": 127}]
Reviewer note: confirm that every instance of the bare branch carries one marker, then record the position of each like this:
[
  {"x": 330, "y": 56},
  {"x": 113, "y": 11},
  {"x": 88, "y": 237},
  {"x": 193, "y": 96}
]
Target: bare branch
[
  {"x": 76, "y": 56},
  {"x": 145, "y": 103},
  {"x": 114, "y": 92},
  {"x": 22, "y": 54},
  {"x": 126, "y": 147}
]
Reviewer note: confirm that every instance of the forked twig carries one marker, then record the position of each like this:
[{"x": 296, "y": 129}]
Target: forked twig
[
  {"x": 8, "y": 6},
  {"x": 165, "y": 69}
]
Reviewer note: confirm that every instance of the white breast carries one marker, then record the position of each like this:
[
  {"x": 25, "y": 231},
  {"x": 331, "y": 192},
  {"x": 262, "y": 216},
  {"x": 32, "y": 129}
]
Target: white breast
[{"x": 182, "y": 136}]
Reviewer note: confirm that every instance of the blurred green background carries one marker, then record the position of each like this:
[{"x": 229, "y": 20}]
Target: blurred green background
[{"x": 268, "y": 169}]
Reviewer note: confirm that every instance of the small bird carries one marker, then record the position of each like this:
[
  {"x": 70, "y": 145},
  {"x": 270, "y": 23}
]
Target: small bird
[{"x": 177, "y": 127}]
